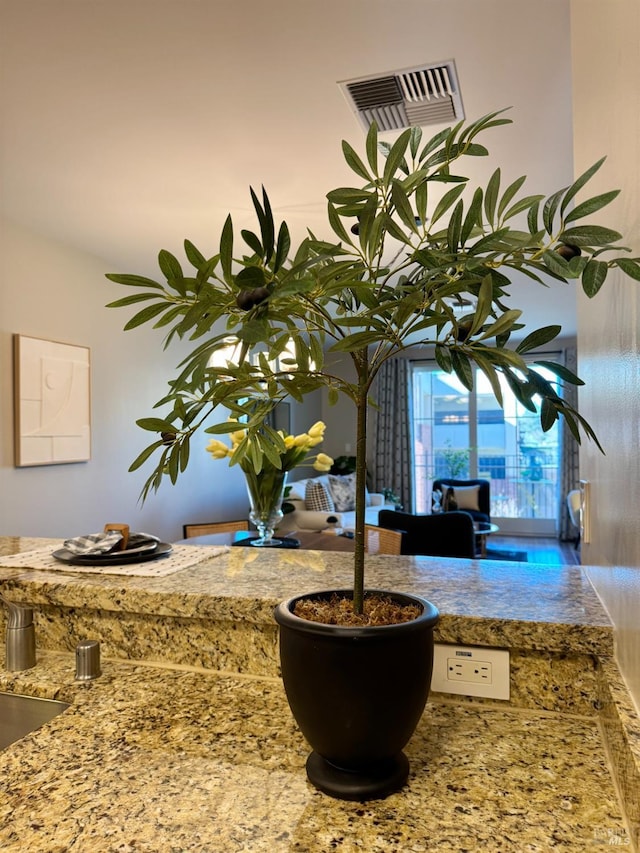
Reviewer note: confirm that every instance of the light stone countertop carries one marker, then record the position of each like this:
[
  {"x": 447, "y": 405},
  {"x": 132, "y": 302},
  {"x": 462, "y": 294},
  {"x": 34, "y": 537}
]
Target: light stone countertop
[
  {"x": 481, "y": 602},
  {"x": 168, "y": 759},
  {"x": 177, "y": 757}
]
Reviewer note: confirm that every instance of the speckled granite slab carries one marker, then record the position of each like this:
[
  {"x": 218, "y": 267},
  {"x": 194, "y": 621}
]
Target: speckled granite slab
[
  {"x": 621, "y": 726},
  {"x": 164, "y": 760},
  {"x": 218, "y": 614},
  {"x": 509, "y": 605}
]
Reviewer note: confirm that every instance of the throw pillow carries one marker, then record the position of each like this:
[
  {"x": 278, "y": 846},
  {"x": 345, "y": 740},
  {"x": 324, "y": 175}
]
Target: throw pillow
[
  {"x": 449, "y": 503},
  {"x": 297, "y": 490},
  {"x": 317, "y": 497},
  {"x": 466, "y": 497},
  {"x": 343, "y": 492}
]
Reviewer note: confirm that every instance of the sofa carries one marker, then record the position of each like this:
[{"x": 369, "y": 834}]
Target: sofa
[{"x": 315, "y": 499}]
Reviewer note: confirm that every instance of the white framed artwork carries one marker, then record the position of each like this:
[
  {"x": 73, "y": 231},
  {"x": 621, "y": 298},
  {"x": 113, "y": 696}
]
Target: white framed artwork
[{"x": 52, "y": 402}]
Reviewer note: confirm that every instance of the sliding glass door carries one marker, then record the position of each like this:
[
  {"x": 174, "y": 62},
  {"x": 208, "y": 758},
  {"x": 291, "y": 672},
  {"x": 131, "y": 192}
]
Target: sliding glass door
[{"x": 461, "y": 434}]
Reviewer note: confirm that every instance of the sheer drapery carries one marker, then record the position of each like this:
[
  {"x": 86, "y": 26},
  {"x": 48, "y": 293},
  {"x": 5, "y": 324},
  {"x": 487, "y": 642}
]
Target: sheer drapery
[
  {"x": 569, "y": 453},
  {"x": 391, "y": 433}
]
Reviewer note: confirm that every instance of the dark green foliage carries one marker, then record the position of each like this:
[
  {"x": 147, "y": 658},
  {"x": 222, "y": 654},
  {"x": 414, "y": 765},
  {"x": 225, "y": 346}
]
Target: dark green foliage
[{"x": 426, "y": 246}]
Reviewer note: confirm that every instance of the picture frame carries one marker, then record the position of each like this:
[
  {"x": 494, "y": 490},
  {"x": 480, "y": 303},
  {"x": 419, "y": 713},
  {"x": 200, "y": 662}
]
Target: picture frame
[{"x": 52, "y": 402}]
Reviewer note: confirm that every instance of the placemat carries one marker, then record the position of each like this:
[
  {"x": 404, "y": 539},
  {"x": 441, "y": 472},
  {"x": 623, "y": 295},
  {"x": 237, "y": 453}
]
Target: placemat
[{"x": 182, "y": 557}]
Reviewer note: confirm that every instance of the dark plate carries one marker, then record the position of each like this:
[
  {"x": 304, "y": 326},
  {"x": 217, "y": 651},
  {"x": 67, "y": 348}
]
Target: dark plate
[
  {"x": 116, "y": 559},
  {"x": 281, "y": 542}
]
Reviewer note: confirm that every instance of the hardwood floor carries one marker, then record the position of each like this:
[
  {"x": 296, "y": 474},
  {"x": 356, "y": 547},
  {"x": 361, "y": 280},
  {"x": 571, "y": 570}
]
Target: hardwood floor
[{"x": 550, "y": 552}]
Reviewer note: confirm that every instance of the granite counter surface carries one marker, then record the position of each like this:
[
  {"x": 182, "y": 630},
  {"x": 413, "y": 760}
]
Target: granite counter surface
[
  {"x": 173, "y": 759},
  {"x": 192, "y": 746},
  {"x": 482, "y": 602}
]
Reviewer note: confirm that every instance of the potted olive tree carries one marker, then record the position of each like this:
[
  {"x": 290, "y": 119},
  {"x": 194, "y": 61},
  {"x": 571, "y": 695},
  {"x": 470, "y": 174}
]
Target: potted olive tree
[{"x": 415, "y": 244}]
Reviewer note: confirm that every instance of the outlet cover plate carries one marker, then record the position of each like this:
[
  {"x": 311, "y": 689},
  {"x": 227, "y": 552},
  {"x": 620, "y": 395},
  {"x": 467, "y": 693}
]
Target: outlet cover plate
[{"x": 471, "y": 671}]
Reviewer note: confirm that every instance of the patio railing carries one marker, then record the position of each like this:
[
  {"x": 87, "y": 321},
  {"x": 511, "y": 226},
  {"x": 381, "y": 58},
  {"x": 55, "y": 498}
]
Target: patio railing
[{"x": 519, "y": 489}]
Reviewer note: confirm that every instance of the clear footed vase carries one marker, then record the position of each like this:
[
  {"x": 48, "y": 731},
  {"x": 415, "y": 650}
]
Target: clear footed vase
[{"x": 266, "y": 490}]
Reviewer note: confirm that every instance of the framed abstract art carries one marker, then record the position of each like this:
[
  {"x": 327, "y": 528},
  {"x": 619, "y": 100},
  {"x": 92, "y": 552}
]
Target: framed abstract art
[{"x": 52, "y": 402}]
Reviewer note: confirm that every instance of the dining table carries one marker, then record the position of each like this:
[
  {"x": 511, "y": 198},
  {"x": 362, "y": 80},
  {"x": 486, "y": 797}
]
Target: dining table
[{"x": 310, "y": 540}]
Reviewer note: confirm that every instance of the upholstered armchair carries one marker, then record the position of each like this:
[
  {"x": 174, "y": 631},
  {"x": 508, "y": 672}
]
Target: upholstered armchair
[
  {"x": 448, "y": 534},
  {"x": 472, "y": 496}
]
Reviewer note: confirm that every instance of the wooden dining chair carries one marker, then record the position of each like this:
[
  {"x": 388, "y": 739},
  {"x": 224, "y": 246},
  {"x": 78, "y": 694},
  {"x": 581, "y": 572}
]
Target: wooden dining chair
[
  {"x": 191, "y": 530},
  {"x": 377, "y": 540}
]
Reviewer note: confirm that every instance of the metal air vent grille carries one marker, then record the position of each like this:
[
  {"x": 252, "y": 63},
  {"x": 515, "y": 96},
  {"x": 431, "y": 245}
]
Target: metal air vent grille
[{"x": 408, "y": 98}]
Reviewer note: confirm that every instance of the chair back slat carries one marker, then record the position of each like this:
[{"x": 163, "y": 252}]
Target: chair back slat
[
  {"x": 379, "y": 540},
  {"x": 191, "y": 530}
]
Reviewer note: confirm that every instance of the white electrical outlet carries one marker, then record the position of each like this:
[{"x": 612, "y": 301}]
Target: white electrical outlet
[
  {"x": 471, "y": 671},
  {"x": 477, "y": 672}
]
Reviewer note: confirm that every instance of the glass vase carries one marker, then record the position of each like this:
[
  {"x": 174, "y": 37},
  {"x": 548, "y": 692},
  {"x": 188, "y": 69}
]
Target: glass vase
[{"x": 266, "y": 490}]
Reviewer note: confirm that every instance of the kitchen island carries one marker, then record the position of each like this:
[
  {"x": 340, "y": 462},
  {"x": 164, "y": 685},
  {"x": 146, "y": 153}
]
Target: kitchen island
[{"x": 185, "y": 742}]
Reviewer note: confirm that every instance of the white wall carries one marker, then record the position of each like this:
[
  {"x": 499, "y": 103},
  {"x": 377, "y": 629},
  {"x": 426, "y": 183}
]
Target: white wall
[
  {"x": 606, "y": 71},
  {"x": 48, "y": 290}
]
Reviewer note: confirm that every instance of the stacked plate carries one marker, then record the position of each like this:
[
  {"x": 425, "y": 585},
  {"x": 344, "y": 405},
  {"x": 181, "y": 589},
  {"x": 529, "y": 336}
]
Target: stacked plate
[{"x": 140, "y": 548}]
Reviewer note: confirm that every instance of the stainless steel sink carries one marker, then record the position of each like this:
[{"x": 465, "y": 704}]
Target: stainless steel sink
[{"x": 20, "y": 715}]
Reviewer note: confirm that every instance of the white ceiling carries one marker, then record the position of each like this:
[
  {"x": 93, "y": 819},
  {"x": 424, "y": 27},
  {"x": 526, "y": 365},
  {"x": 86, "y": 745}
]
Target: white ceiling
[{"x": 128, "y": 125}]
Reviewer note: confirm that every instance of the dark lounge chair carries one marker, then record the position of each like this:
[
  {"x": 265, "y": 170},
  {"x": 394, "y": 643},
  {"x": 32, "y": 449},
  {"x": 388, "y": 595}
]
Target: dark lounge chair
[
  {"x": 448, "y": 534},
  {"x": 472, "y": 496}
]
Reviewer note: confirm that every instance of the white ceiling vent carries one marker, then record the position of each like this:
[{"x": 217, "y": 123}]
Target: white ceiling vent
[{"x": 412, "y": 97}]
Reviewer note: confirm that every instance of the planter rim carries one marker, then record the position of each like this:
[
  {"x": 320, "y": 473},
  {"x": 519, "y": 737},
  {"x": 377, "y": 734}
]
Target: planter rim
[{"x": 284, "y": 616}]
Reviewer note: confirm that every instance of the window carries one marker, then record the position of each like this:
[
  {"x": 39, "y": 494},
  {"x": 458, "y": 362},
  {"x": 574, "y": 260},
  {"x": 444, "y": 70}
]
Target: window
[{"x": 461, "y": 434}]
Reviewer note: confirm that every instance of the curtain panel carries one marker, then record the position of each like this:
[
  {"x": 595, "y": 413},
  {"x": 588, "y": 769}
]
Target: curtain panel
[
  {"x": 391, "y": 433},
  {"x": 569, "y": 454}
]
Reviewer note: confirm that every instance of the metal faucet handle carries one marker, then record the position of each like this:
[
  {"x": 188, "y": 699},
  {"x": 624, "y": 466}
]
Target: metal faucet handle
[
  {"x": 87, "y": 660},
  {"x": 20, "y": 615},
  {"x": 20, "y": 637}
]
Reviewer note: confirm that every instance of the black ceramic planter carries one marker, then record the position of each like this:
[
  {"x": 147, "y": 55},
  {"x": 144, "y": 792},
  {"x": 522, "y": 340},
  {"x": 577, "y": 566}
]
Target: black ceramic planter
[{"x": 357, "y": 695}]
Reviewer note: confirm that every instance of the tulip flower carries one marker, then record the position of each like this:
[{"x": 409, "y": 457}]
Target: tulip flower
[
  {"x": 218, "y": 449},
  {"x": 323, "y": 462}
]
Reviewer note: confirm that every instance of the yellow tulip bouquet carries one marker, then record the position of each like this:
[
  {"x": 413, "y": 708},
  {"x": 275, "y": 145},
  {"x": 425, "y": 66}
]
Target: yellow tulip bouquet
[{"x": 266, "y": 472}]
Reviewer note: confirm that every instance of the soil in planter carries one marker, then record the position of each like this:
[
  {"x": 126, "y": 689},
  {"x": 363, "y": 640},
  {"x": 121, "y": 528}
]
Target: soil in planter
[{"x": 338, "y": 610}]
